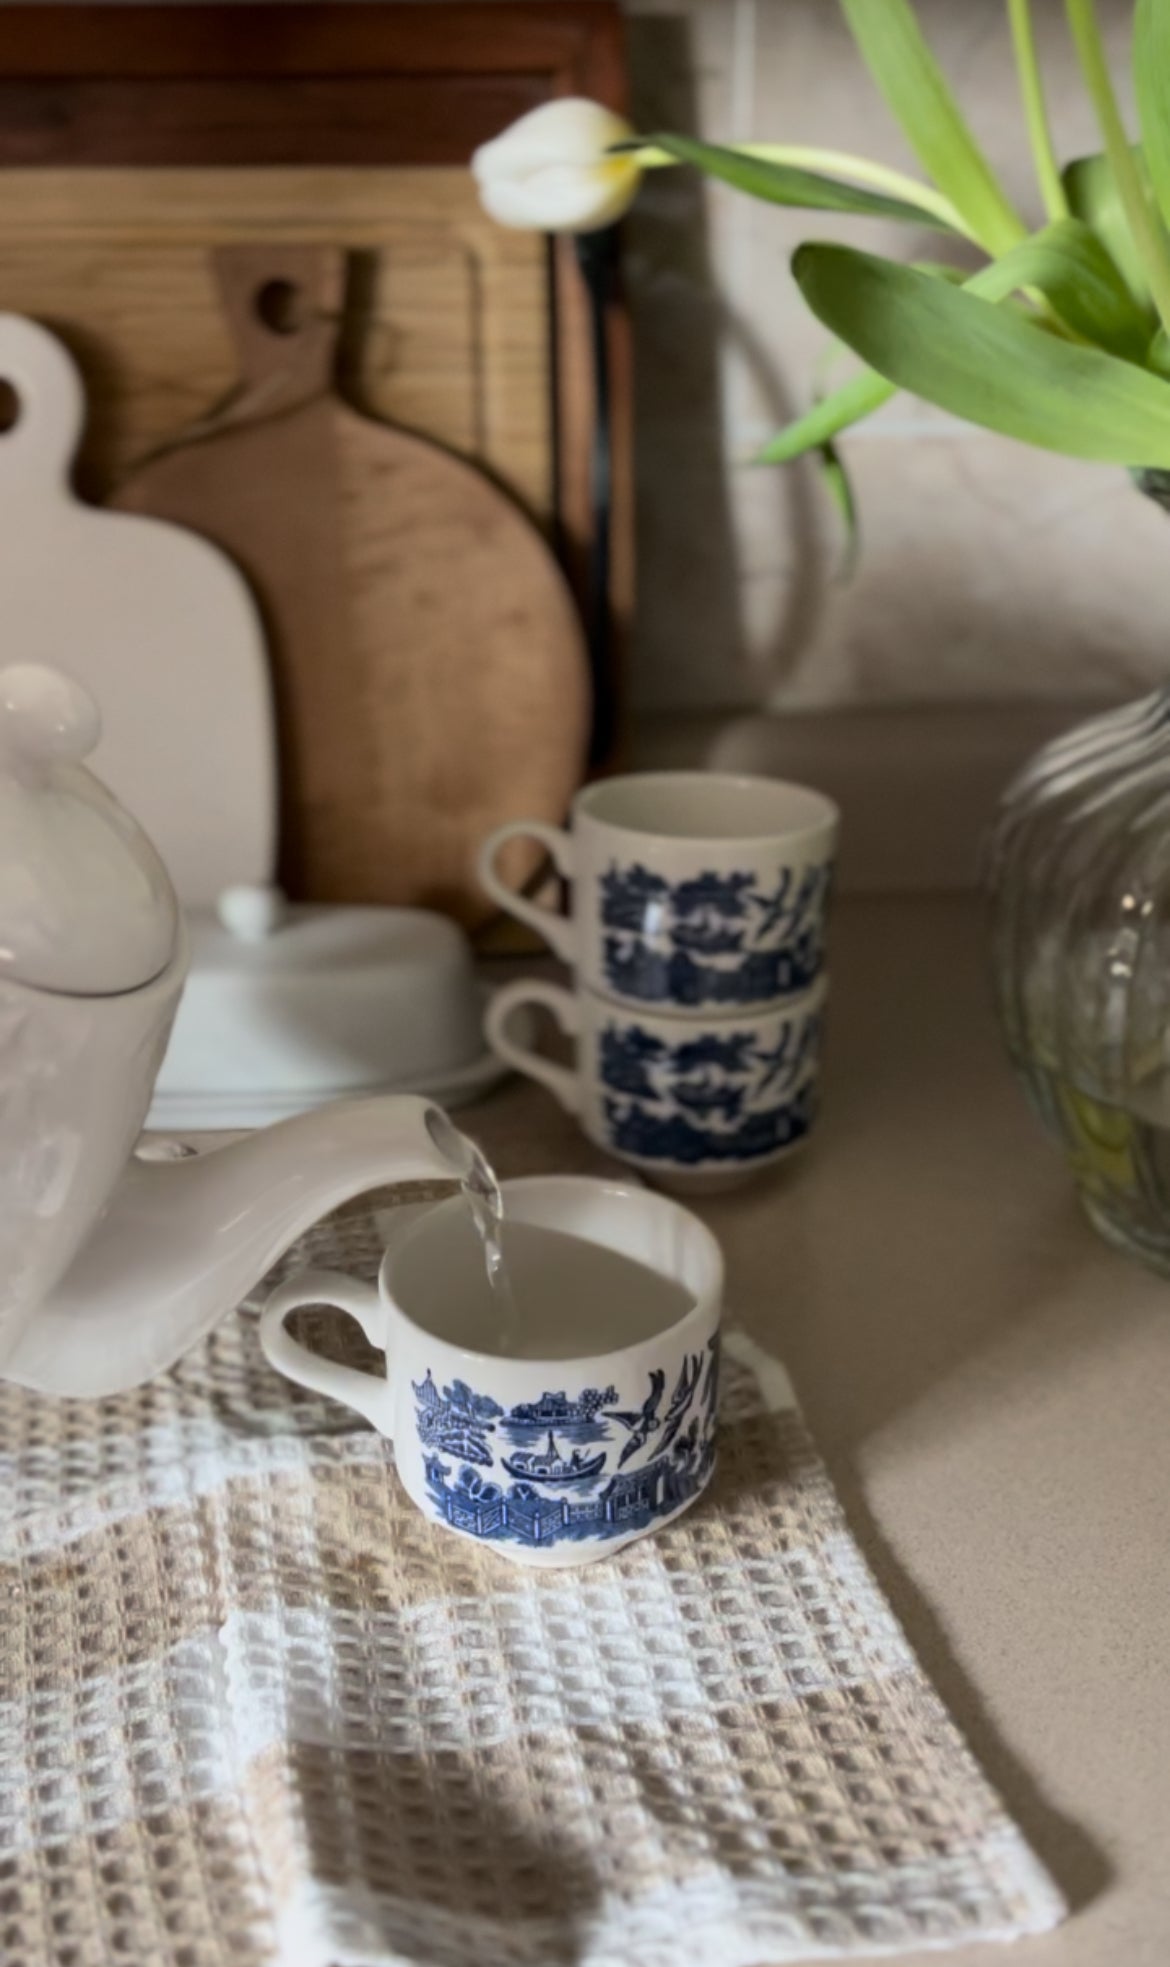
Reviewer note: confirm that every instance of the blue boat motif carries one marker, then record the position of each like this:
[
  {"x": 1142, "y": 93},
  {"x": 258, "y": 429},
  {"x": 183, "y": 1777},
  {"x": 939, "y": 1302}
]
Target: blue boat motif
[
  {"x": 720, "y": 1097},
  {"x": 714, "y": 939},
  {"x": 550, "y": 1465},
  {"x": 631, "y": 1498}
]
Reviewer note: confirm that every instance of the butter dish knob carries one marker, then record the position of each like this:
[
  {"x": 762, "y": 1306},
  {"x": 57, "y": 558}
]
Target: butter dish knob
[{"x": 251, "y": 911}]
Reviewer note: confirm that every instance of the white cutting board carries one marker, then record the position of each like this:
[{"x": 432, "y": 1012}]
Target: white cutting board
[{"x": 156, "y": 622}]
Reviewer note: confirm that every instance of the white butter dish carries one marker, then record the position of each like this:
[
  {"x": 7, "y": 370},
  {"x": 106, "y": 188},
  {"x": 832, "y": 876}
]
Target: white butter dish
[{"x": 288, "y": 1006}]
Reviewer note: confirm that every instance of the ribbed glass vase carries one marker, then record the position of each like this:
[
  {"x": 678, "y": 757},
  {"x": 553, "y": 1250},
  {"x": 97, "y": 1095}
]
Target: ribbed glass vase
[{"x": 1079, "y": 869}]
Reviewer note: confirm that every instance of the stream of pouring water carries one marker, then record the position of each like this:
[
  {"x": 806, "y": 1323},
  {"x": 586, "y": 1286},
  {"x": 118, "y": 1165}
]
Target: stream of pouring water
[
  {"x": 555, "y": 1296},
  {"x": 481, "y": 1192}
]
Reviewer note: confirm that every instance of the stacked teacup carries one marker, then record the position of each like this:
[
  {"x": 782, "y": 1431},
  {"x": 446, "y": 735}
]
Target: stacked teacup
[{"x": 696, "y": 936}]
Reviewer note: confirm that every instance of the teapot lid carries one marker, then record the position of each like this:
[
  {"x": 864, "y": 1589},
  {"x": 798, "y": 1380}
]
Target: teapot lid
[{"x": 86, "y": 905}]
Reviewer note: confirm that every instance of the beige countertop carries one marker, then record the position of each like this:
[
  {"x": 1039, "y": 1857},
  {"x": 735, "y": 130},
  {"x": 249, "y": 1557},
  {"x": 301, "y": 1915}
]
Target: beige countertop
[{"x": 991, "y": 1388}]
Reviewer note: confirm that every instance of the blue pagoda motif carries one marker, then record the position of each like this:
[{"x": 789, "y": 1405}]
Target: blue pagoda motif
[
  {"x": 628, "y": 1058},
  {"x": 718, "y": 1097},
  {"x": 456, "y": 1421},
  {"x": 649, "y": 1135},
  {"x": 632, "y": 898},
  {"x": 710, "y": 913},
  {"x": 557, "y": 1410},
  {"x": 713, "y": 938},
  {"x": 577, "y": 1419},
  {"x": 631, "y": 1499}
]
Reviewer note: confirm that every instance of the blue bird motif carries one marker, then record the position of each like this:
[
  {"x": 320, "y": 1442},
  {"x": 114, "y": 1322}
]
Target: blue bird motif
[
  {"x": 680, "y": 1400},
  {"x": 641, "y": 1422}
]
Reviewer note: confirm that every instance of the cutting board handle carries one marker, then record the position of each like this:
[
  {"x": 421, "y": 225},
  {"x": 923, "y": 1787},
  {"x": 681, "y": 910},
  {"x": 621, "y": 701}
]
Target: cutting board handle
[
  {"x": 48, "y": 403},
  {"x": 283, "y": 306}
]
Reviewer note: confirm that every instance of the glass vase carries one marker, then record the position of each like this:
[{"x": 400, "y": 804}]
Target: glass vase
[{"x": 1079, "y": 871}]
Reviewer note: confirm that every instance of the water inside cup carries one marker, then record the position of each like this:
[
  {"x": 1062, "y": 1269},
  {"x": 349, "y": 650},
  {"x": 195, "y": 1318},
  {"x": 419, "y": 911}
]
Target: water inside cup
[{"x": 570, "y": 1298}]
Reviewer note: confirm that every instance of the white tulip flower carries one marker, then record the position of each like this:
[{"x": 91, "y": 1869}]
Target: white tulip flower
[{"x": 549, "y": 171}]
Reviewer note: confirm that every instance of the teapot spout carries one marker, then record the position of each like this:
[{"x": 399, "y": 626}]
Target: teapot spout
[{"x": 183, "y": 1241}]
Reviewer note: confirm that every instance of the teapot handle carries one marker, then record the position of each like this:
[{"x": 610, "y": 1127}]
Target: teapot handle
[{"x": 369, "y": 1393}]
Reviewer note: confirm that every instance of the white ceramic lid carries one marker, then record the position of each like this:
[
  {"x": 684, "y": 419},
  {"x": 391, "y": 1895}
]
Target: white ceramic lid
[
  {"x": 86, "y": 905},
  {"x": 292, "y": 1003}
]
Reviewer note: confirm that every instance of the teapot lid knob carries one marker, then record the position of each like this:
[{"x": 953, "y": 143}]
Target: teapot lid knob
[
  {"x": 85, "y": 903},
  {"x": 45, "y": 718}
]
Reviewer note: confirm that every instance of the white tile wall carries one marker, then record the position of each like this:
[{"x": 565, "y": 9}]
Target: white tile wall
[{"x": 989, "y": 571}]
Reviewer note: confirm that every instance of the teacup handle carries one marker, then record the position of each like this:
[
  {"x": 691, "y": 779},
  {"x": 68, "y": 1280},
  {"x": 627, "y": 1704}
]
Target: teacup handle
[
  {"x": 369, "y": 1393},
  {"x": 559, "y": 931},
  {"x": 562, "y": 1082}
]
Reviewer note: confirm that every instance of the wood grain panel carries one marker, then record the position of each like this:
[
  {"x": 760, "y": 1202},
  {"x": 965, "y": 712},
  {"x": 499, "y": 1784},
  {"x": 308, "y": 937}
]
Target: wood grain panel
[
  {"x": 565, "y": 42},
  {"x": 446, "y": 330},
  {"x": 312, "y": 86},
  {"x": 351, "y": 120}
]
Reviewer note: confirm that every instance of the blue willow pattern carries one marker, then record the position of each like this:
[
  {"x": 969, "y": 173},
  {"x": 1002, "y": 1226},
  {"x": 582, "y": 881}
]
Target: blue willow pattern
[
  {"x": 720, "y": 1097},
  {"x": 566, "y": 1494},
  {"x": 713, "y": 939}
]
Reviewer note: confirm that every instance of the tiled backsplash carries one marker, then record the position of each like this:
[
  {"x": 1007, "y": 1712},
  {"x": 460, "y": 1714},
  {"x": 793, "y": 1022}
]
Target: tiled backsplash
[{"x": 988, "y": 571}]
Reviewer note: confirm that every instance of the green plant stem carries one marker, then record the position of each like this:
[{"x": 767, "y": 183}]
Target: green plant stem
[
  {"x": 1032, "y": 92},
  {"x": 837, "y": 164},
  {"x": 1147, "y": 232}
]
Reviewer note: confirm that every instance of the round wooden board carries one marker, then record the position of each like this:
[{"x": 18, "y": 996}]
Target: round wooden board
[
  {"x": 467, "y": 668},
  {"x": 429, "y": 667}
]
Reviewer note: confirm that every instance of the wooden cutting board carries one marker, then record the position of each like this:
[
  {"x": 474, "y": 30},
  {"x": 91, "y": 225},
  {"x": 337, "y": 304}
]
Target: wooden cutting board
[
  {"x": 158, "y": 624},
  {"x": 428, "y": 663}
]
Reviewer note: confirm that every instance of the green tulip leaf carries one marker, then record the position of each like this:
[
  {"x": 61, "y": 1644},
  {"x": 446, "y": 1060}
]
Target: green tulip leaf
[
  {"x": 1094, "y": 198},
  {"x": 1130, "y": 172},
  {"x": 986, "y": 363},
  {"x": 838, "y": 485},
  {"x": 1066, "y": 262},
  {"x": 1074, "y": 271},
  {"x": 914, "y": 86},
  {"x": 785, "y": 184},
  {"x": 859, "y": 397}
]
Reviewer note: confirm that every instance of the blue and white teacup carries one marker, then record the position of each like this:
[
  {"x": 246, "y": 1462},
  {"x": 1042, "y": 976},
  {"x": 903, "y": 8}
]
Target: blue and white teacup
[
  {"x": 699, "y": 1102},
  {"x": 692, "y": 891},
  {"x": 560, "y": 1451}
]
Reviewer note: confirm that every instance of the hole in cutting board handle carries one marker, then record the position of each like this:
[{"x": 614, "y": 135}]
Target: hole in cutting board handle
[
  {"x": 10, "y": 406},
  {"x": 280, "y": 305}
]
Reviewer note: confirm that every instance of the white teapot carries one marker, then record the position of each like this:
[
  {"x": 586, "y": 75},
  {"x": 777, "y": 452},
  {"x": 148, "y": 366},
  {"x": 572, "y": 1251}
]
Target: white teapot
[{"x": 111, "y": 1266}]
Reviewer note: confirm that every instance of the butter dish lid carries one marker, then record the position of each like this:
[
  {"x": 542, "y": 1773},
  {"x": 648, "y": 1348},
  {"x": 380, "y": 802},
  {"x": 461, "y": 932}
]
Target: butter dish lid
[
  {"x": 289, "y": 1005},
  {"x": 86, "y": 905}
]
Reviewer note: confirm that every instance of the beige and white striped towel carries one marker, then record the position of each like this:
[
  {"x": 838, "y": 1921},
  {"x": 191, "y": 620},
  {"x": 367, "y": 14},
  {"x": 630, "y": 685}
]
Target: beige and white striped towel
[{"x": 254, "y": 1709}]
